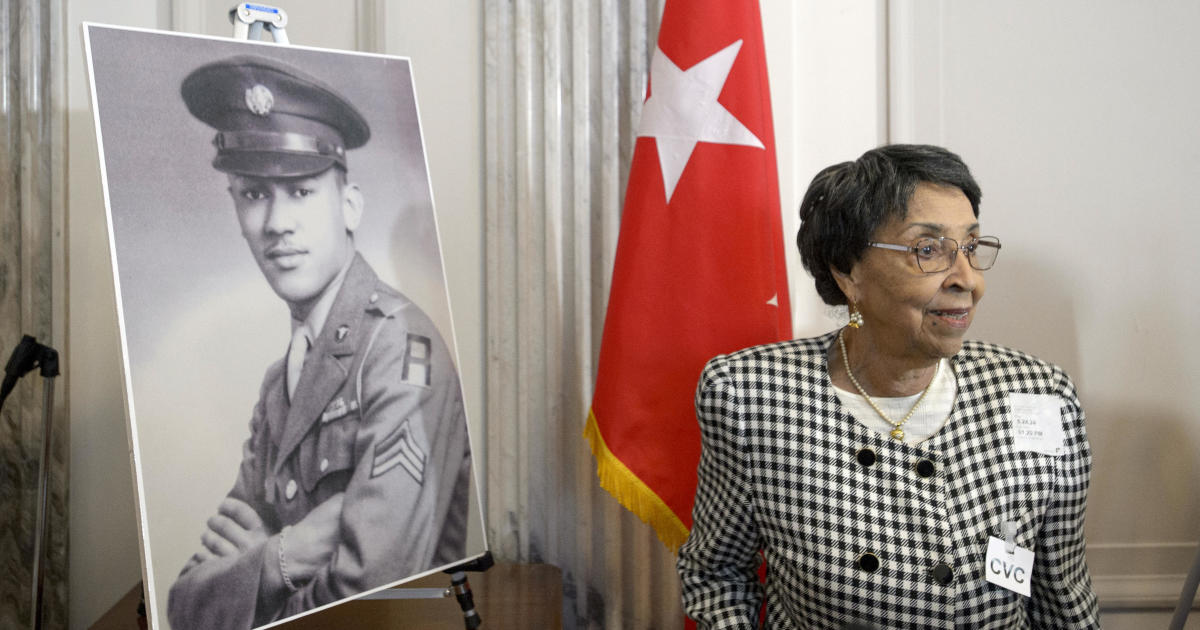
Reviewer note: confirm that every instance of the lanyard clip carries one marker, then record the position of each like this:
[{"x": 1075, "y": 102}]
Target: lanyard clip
[{"x": 1010, "y": 536}]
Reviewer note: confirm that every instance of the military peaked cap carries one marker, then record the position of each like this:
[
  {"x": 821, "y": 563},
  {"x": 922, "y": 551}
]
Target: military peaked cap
[{"x": 272, "y": 120}]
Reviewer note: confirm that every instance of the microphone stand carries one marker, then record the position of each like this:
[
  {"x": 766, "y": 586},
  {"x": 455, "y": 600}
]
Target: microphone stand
[{"x": 30, "y": 354}]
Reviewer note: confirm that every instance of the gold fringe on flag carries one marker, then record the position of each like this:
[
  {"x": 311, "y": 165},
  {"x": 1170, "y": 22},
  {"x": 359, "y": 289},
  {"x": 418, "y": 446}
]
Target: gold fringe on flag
[{"x": 631, "y": 492}]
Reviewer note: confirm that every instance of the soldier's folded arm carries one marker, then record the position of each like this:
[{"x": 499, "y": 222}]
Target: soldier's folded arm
[{"x": 310, "y": 544}]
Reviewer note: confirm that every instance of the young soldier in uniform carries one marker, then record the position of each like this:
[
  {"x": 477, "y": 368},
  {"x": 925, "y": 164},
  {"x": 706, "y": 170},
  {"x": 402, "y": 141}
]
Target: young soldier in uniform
[{"x": 356, "y": 470}]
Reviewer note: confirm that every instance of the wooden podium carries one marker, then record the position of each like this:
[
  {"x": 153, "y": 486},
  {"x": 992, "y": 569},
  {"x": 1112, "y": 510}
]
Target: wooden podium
[{"x": 507, "y": 597}]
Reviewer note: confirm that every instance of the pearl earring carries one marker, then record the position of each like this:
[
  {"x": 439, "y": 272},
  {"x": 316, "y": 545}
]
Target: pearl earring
[{"x": 856, "y": 318}]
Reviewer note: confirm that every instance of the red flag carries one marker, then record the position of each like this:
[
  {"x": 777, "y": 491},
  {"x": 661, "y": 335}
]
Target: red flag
[{"x": 700, "y": 265}]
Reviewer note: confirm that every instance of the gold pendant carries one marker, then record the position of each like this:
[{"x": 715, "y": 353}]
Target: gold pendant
[{"x": 898, "y": 433}]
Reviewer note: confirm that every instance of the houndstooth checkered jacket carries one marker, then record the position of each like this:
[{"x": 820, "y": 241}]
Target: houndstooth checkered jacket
[{"x": 784, "y": 471}]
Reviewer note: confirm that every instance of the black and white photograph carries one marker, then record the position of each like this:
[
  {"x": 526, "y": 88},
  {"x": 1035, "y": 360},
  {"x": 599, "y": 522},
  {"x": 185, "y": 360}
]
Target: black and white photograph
[{"x": 296, "y": 416}]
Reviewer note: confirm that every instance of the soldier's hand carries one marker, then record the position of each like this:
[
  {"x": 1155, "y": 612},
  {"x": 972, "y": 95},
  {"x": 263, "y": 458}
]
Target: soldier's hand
[
  {"x": 234, "y": 529},
  {"x": 311, "y": 542},
  {"x": 197, "y": 558}
]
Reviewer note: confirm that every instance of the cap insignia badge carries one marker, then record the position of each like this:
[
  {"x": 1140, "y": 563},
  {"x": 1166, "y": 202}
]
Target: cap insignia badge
[{"x": 259, "y": 99}]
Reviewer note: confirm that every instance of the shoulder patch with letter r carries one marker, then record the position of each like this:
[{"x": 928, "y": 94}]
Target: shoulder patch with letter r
[
  {"x": 402, "y": 447},
  {"x": 418, "y": 362}
]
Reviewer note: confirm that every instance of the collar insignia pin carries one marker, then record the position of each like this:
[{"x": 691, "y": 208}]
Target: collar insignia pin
[{"x": 342, "y": 331}]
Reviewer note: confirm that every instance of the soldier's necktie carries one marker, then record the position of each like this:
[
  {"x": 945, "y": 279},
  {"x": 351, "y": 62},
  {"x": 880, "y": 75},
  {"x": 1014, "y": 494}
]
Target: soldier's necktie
[{"x": 295, "y": 357}]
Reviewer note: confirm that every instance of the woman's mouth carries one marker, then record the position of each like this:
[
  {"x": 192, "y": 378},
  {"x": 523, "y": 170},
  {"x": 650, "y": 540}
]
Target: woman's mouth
[{"x": 954, "y": 317}]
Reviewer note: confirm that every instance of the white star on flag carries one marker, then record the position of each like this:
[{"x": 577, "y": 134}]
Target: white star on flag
[{"x": 683, "y": 110}]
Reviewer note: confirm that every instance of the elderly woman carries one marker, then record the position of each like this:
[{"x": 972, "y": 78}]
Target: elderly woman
[{"x": 892, "y": 474}]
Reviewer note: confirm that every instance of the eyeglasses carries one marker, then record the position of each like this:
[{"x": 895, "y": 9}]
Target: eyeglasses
[{"x": 938, "y": 254}]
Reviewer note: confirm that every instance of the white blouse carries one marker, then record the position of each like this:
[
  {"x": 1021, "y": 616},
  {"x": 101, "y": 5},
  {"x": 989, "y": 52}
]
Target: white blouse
[{"x": 926, "y": 421}]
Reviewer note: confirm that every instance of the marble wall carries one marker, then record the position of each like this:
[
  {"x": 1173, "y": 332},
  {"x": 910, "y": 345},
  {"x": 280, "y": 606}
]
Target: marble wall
[{"x": 31, "y": 290}]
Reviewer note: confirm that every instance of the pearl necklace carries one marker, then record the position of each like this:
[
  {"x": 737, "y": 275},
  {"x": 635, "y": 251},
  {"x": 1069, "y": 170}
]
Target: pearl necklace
[{"x": 897, "y": 433}]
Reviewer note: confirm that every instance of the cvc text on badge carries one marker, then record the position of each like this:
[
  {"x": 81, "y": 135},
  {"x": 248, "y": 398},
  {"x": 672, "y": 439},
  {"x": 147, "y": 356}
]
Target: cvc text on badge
[{"x": 1010, "y": 571}]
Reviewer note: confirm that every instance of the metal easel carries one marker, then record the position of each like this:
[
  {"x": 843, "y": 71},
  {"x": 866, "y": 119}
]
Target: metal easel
[
  {"x": 460, "y": 589},
  {"x": 249, "y": 20},
  {"x": 30, "y": 354}
]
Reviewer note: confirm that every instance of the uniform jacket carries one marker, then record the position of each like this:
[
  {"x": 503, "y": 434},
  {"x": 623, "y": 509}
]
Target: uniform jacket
[
  {"x": 378, "y": 415},
  {"x": 780, "y": 472}
]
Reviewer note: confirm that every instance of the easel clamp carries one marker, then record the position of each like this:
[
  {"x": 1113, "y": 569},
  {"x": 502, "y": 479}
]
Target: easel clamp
[{"x": 249, "y": 19}]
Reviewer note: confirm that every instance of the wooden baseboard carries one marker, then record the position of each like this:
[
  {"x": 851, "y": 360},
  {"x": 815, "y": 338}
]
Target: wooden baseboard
[
  {"x": 1140, "y": 576},
  {"x": 1139, "y": 592}
]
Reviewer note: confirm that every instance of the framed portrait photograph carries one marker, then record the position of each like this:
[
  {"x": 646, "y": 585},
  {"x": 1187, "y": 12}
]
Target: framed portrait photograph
[{"x": 296, "y": 420}]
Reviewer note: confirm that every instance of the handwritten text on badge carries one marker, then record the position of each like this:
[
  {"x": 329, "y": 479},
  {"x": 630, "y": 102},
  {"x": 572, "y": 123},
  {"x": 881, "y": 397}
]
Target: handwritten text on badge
[
  {"x": 1036, "y": 423},
  {"x": 1013, "y": 571}
]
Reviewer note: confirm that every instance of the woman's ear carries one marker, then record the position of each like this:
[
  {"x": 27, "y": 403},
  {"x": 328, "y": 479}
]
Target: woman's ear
[{"x": 846, "y": 283}]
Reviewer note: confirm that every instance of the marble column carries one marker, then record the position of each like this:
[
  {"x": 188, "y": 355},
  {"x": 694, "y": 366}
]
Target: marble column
[{"x": 32, "y": 286}]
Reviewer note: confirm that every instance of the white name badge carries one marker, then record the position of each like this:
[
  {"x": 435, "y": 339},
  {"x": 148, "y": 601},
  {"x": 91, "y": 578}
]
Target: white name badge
[
  {"x": 1037, "y": 423},
  {"x": 1012, "y": 571}
]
